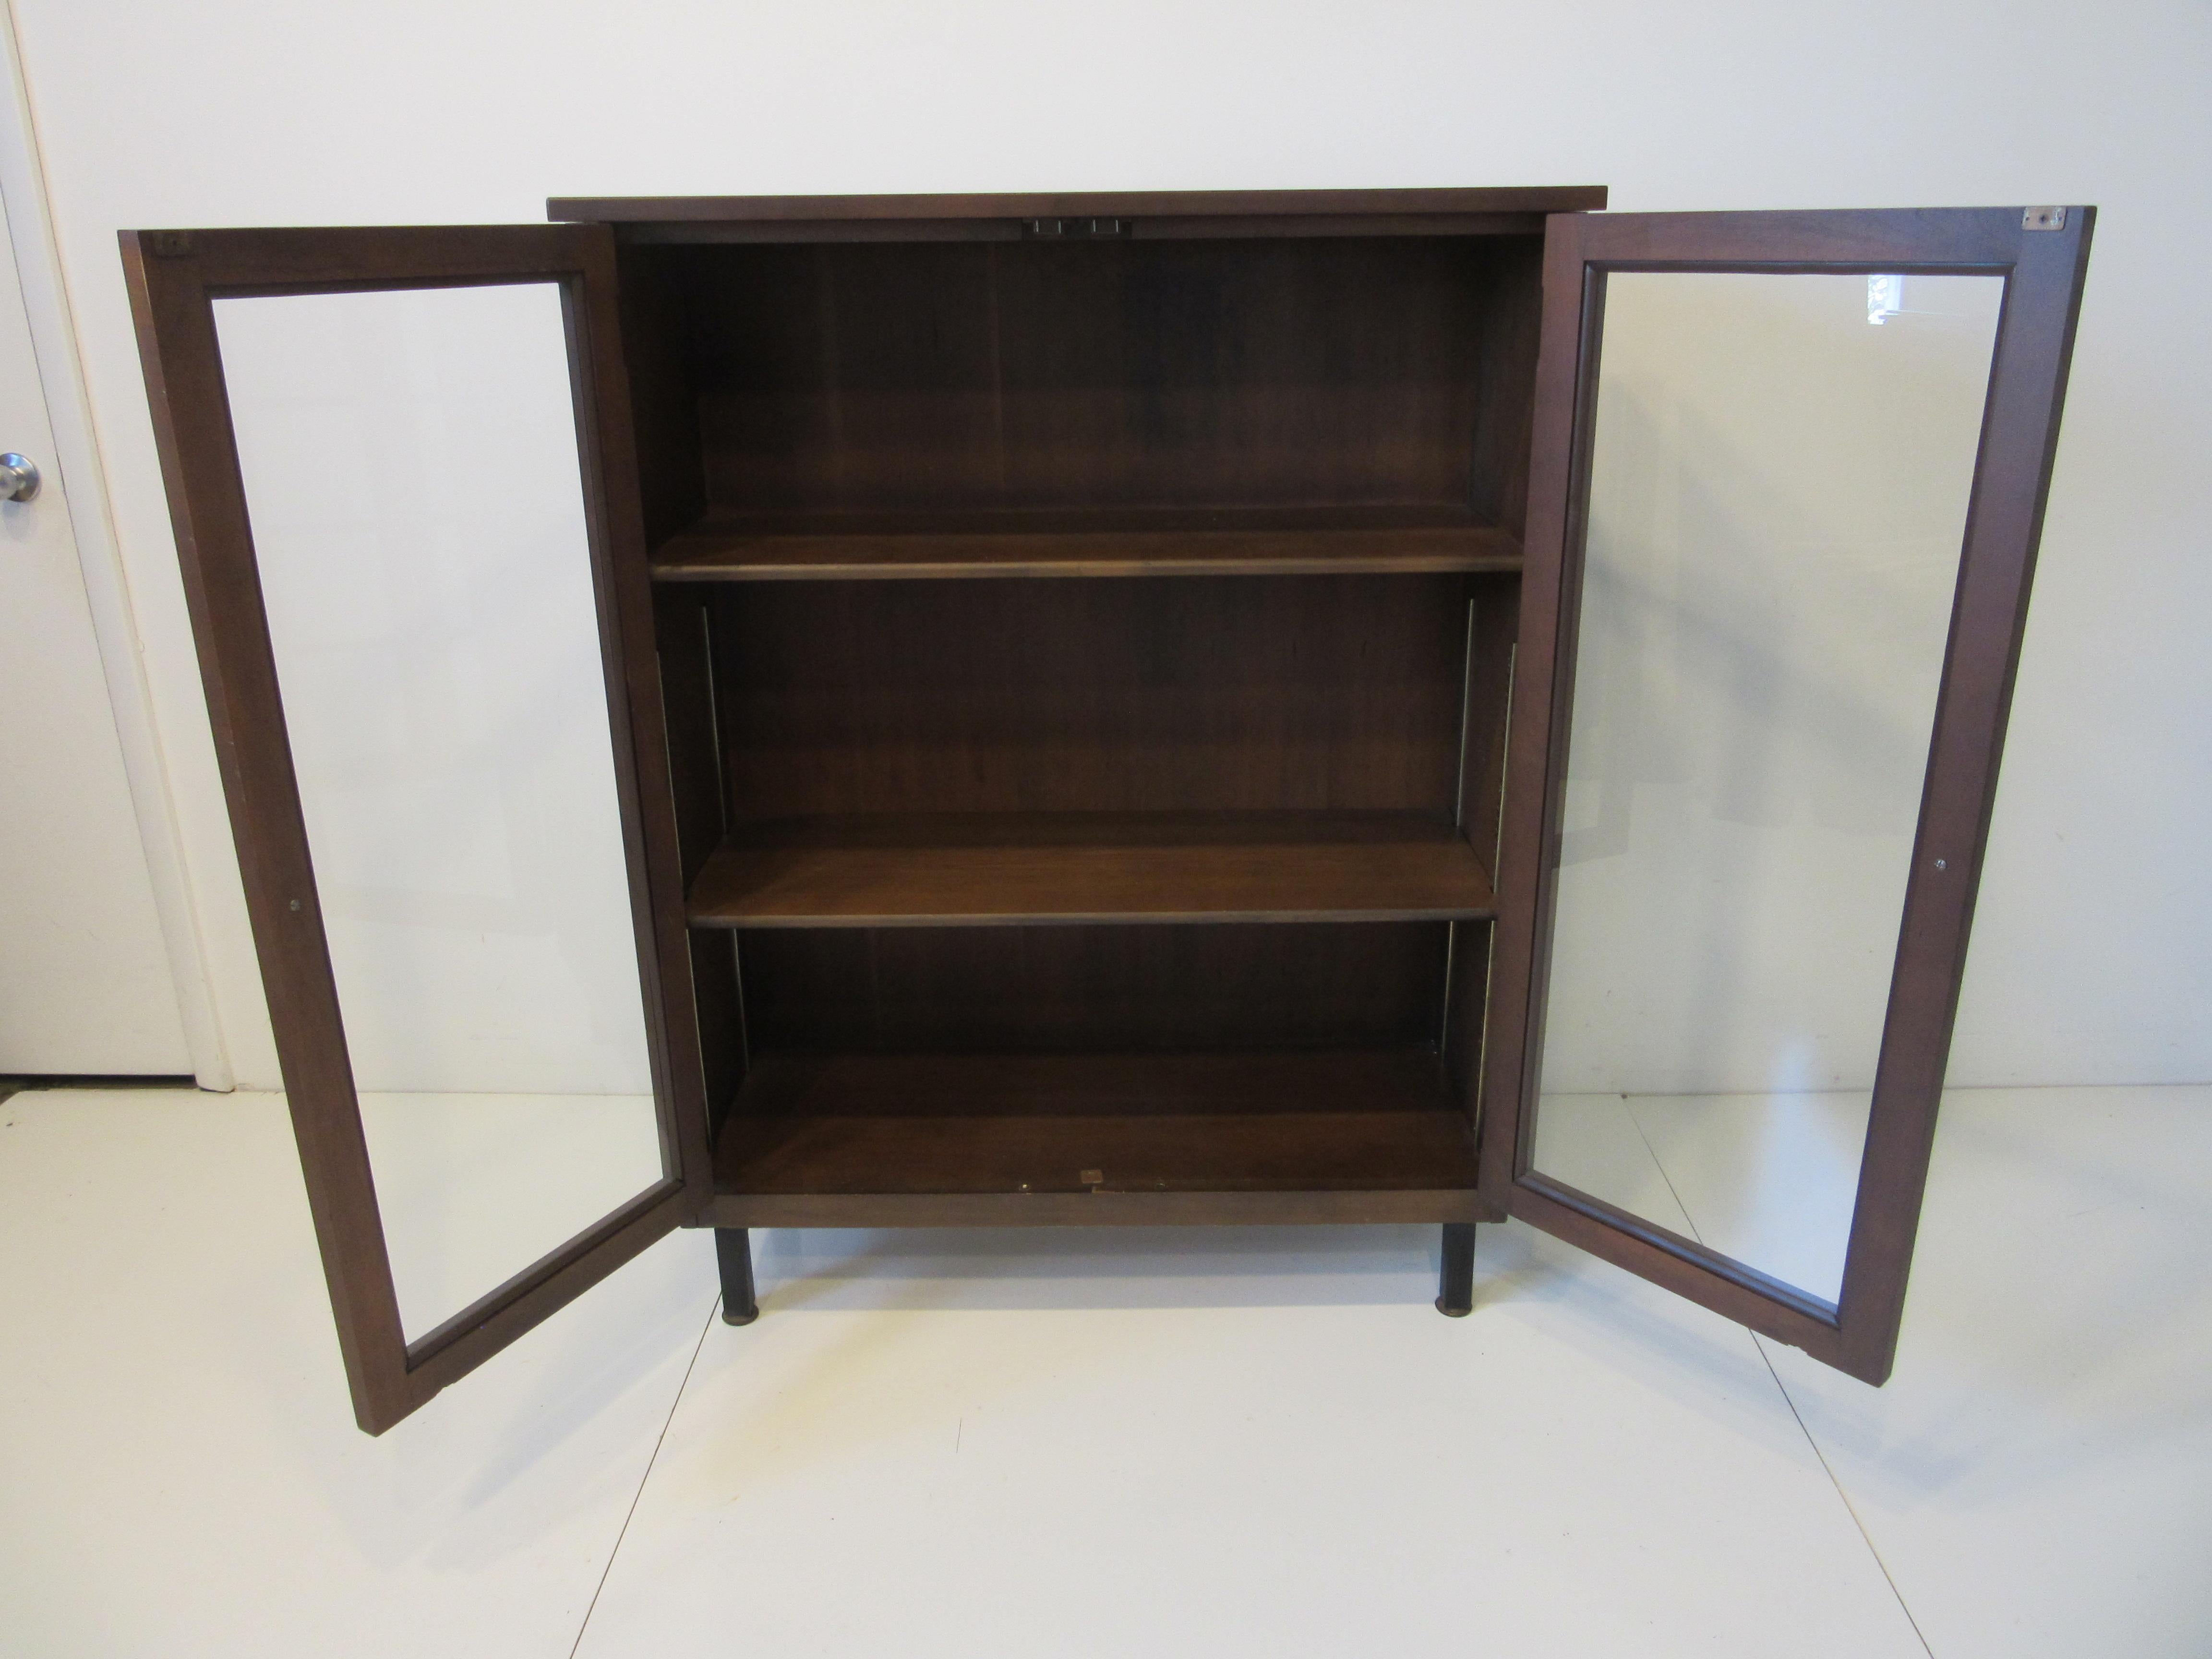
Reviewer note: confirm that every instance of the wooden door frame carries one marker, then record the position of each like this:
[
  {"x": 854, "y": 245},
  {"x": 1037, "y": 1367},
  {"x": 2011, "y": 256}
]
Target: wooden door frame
[
  {"x": 175, "y": 277},
  {"x": 2043, "y": 269}
]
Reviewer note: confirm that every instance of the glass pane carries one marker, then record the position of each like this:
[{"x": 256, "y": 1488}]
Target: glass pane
[
  {"x": 411, "y": 471},
  {"x": 1778, "y": 501}
]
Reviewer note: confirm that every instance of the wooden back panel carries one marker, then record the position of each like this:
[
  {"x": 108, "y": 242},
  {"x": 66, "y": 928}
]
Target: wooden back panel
[
  {"x": 965, "y": 377},
  {"x": 1173, "y": 694},
  {"x": 1106, "y": 989}
]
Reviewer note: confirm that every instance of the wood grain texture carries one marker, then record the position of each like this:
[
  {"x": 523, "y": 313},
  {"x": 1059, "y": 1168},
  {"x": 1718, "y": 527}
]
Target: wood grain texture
[
  {"x": 1345, "y": 1207},
  {"x": 1185, "y": 228},
  {"x": 1081, "y": 1123},
  {"x": 683, "y": 636},
  {"x": 364, "y": 259},
  {"x": 1085, "y": 867},
  {"x": 664, "y": 396},
  {"x": 1282, "y": 1083},
  {"x": 1680, "y": 1265},
  {"x": 1506, "y": 379},
  {"x": 1225, "y": 204},
  {"x": 1127, "y": 988},
  {"x": 2043, "y": 273},
  {"x": 1493, "y": 633},
  {"x": 1198, "y": 693},
  {"x": 1271, "y": 372},
  {"x": 713, "y": 551},
  {"x": 2004, "y": 530},
  {"x": 174, "y": 277},
  {"x": 1038, "y": 1151}
]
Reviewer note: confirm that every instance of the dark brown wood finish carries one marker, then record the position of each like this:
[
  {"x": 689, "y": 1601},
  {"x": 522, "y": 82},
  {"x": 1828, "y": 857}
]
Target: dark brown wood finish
[
  {"x": 1258, "y": 783},
  {"x": 173, "y": 276},
  {"x": 724, "y": 551},
  {"x": 1367, "y": 204},
  {"x": 664, "y": 396},
  {"x": 1041, "y": 1145},
  {"x": 1492, "y": 623},
  {"x": 1275, "y": 373},
  {"x": 1494, "y": 626},
  {"x": 1127, "y": 988},
  {"x": 1276, "y": 404},
  {"x": 1135, "y": 214},
  {"x": 1280, "y": 1087},
  {"x": 1014, "y": 1126},
  {"x": 1190, "y": 695},
  {"x": 1010, "y": 868},
  {"x": 1505, "y": 379},
  {"x": 2045, "y": 271},
  {"x": 1255, "y": 1207},
  {"x": 683, "y": 635}
]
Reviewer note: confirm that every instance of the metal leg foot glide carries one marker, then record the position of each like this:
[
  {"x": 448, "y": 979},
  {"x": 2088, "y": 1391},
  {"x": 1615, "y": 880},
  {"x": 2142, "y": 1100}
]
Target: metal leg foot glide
[
  {"x": 1455, "y": 1291},
  {"x": 733, "y": 1251}
]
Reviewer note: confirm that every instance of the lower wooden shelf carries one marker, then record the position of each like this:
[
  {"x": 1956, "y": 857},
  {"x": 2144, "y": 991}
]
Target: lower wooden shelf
[
  {"x": 1220, "y": 541},
  {"x": 973, "y": 1140},
  {"x": 1092, "y": 868}
]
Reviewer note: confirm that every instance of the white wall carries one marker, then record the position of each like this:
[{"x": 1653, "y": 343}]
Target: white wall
[
  {"x": 2093, "y": 957},
  {"x": 1778, "y": 494},
  {"x": 409, "y": 462}
]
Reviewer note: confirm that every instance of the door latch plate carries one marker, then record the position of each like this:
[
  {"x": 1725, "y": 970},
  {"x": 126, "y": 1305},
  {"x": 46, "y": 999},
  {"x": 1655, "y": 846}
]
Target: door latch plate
[{"x": 1077, "y": 230}]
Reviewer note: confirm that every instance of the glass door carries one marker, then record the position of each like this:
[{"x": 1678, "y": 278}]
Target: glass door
[
  {"x": 1787, "y": 482},
  {"x": 400, "y": 468}
]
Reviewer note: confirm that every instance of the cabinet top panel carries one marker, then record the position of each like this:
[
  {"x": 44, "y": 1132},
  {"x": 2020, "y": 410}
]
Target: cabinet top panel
[{"x": 1187, "y": 208}]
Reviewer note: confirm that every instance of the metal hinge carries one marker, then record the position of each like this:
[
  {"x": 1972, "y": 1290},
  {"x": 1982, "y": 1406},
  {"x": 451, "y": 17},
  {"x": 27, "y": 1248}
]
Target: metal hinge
[
  {"x": 2053, "y": 218},
  {"x": 1070, "y": 230}
]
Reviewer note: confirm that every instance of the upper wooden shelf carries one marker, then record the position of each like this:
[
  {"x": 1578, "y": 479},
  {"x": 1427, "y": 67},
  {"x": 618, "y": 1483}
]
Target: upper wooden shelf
[
  {"x": 957, "y": 870},
  {"x": 1252, "y": 543}
]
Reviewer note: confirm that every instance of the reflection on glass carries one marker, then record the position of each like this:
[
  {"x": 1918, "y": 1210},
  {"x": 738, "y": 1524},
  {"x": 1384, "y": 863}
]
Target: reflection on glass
[
  {"x": 411, "y": 474},
  {"x": 1777, "y": 499}
]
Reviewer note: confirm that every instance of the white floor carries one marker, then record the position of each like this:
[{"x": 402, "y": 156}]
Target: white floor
[{"x": 1254, "y": 1442}]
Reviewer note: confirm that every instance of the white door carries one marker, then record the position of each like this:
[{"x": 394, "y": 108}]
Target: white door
[{"x": 84, "y": 976}]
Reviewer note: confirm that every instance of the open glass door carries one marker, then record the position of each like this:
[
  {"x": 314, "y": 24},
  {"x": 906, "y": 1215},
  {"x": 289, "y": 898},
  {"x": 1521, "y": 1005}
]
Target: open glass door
[
  {"x": 1781, "y": 530},
  {"x": 425, "y": 634}
]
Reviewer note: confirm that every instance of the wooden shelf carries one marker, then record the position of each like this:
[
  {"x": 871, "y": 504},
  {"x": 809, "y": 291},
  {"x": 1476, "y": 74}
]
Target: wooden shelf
[
  {"x": 1094, "y": 1127},
  {"x": 1231, "y": 542},
  {"x": 958, "y": 870}
]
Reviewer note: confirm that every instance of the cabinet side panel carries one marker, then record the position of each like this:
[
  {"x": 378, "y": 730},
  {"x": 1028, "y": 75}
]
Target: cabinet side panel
[
  {"x": 1465, "y": 1010},
  {"x": 683, "y": 624},
  {"x": 1493, "y": 629},
  {"x": 1505, "y": 383},
  {"x": 664, "y": 396}
]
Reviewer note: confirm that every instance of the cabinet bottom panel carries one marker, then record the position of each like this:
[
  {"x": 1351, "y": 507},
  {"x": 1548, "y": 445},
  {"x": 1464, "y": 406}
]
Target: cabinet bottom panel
[
  {"x": 969, "y": 1139},
  {"x": 1101, "y": 1209}
]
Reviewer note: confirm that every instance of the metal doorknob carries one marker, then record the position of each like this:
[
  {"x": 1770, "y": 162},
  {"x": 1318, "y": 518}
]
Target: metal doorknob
[{"x": 19, "y": 477}]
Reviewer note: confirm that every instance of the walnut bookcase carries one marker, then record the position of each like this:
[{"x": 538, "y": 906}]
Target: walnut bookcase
[{"x": 1062, "y": 652}]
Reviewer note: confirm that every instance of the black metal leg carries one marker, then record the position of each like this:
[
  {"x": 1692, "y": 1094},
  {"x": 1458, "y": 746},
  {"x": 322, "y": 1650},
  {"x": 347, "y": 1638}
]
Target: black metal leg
[
  {"x": 735, "y": 1253},
  {"x": 1456, "y": 1292}
]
